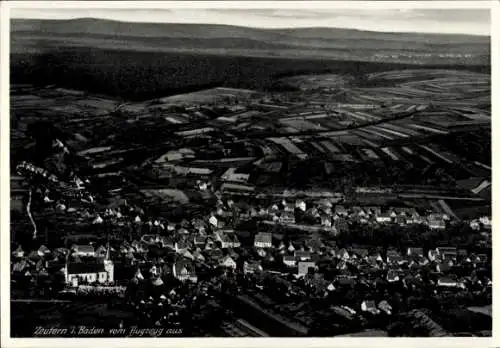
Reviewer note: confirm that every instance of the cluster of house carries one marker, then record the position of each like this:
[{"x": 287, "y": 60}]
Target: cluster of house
[
  {"x": 209, "y": 242},
  {"x": 223, "y": 247},
  {"x": 79, "y": 264},
  {"x": 333, "y": 216},
  {"x": 326, "y": 214}
]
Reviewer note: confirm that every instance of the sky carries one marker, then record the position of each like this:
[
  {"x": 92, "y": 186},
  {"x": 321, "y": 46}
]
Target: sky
[{"x": 446, "y": 21}]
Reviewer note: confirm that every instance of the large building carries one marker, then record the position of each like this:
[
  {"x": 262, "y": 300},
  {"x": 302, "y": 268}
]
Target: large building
[{"x": 98, "y": 272}]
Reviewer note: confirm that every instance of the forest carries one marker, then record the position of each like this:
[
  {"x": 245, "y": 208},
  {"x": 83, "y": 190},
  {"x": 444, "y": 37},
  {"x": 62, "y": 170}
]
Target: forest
[{"x": 136, "y": 76}]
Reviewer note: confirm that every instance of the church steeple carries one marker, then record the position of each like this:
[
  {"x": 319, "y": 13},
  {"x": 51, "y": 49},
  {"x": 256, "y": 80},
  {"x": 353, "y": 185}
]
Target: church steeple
[{"x": 107, "y": 257}]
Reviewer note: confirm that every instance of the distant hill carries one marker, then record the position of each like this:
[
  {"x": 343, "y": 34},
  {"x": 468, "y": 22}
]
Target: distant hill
[
  {"x": 235, "y": 40},
  {"x": 141, "y": 61},
  {"x": 93, "y": 26}
]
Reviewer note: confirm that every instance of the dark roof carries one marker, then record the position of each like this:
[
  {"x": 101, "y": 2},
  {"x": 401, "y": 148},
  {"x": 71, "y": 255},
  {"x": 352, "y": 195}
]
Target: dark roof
[
  {"x": 85, "y": 248},
  {"x": 78, "y": 268},
  {"x": 181, "y": 264},
  {"x": 360, "y": 252},
  {"x": 263, "y": 237},
  {"x": 418, "y": 251},
  {"x": 370, "y": 303}
]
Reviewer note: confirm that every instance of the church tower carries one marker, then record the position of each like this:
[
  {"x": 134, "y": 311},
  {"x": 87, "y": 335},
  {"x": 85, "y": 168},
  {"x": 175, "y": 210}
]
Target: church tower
[{"x": 109, "y": 266}]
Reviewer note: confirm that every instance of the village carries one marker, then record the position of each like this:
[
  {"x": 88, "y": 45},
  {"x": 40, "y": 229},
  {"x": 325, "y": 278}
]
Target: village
[
  {"x": 324, "y": 210},
  {"x": 209, "y": 252}
]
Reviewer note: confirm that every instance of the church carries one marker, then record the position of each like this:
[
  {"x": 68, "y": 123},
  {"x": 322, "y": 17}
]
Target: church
[{"x": 99, "y": 272}]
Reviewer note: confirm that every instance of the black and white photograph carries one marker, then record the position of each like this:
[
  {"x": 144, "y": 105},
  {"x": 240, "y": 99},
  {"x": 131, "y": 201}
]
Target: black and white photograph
[{"x": 282, "y": 171}]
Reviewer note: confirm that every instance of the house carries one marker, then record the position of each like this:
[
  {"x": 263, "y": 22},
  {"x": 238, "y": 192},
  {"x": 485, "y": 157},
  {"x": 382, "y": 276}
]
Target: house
[
  {"x": 486, "y": 221},
  {"x": 436, "y": 222},
  {"x": 302, "y": 255},
  {"x": 392, "y": 276},
  {"x": 214, "y": 255},
  {"x": 233, "y": 240},
  {"x": 449, "y": 283},
  {"x": 213, "y": 221},
  {"x": 150, "y": 239},
  {"x": 443, "y": 267},
  {"x": 180, "y": 246},
  {"x": 462, "y": 253},
  {"x": 287, "y": 207},
  {"x": 227, "y": 240},
  {"x": 304, "y": 267},
  {"x": 101, "y": 251},
  {"x": 98, "y": 272},
  {"x": 341, "y": 265},
  {"x": 300, "y": 204},
  {"x": 140, "y": 247},
  {"x": 474, "y": 224},
  {"x": 373, "y": 211},
  {"x": 20, "y": 266},
  {"x": 433, "y": 255},
  {"x": 251, "y": 267},
  {"x": 383, "y": 218},
  {"x": 167, "y": 242},
  {"x": 83, "y": 250},
  {"x": 199, "y": 240},
  {"x": 341, "y": 225},
  {"x": 343, "y": 254},
  {"x": 385, "y": 307},
  {"x": 184, "y": 270},
  {"x": 18, "y": 253},
  {"x": 358, "y": 212},
  {"x": 360, "y": 253},
  {"x": 263, "y": 240},
  {"x": 346, "y": 281},
  {"x": 185, "y": 253},
  {"x": 447, "y": 253},
  {"x": 401, "y": 220},
  {"x": 326, "y": 220},
  {"x": 198, "y": 256},
  {"x": 369, "y": 306},
  {"x": 479, "y": 258},
  {"x": 228, "y": 262},
  {"x": 421, "y": 260},
  {"x": 340, "y": 210},
  {"x": 289, "y": 260},
  {"x": 43, "y": 251},
  {"x": 261, "y": 252},
  {"x": 415, "y": 252},
  {"x": 394, "y": 257},
  {"x": 287, "y": 217}
]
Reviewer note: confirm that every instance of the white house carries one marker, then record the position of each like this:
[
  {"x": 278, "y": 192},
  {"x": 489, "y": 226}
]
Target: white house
[
  {"x": 251, "y": 267},
  {"x": 486, "y": 221},
  {"x": 263, "y": 240},
  {"x": 184, "y": 270},
  {"x": 305, "y": 266},
  {"x": 383, "y": 218},
  {"x": 289, "y": 260},
  {"x": 300, "y": 205},
  {"x": 228, "y": 262},
  {"x": 449, "y": 283},
  {"x": 369, "y": 306}
]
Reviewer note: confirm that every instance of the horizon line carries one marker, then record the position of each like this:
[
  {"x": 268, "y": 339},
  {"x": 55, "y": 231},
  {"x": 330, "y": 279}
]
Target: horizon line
[{"x": 254, "y": 27}]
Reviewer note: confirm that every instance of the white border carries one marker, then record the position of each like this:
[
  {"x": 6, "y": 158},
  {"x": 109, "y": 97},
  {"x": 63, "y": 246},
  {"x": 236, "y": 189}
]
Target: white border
[
  {"x": 6, "y": 341},
  {"x": 297, "y": 5}
]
